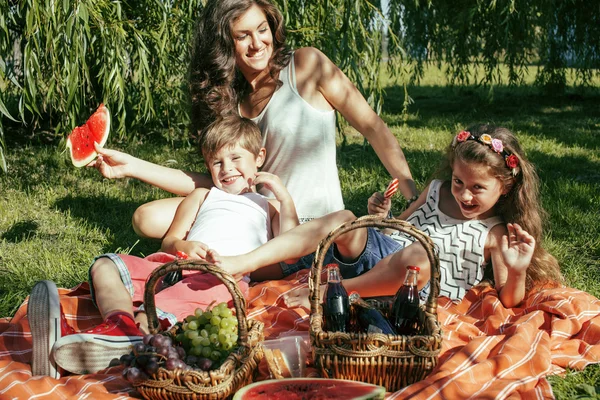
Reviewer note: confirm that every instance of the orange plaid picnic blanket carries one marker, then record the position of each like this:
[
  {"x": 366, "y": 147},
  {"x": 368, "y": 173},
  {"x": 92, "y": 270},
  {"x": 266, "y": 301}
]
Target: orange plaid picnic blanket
[{"x": 488, "y": 351}]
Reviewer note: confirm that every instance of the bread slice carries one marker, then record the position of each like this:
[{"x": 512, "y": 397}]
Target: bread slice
[{"x": 277, "y": 364}]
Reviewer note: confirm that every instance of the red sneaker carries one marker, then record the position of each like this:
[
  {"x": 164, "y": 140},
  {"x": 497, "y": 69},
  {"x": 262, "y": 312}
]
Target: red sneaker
[
  {"x": 92, "y": 350},
  {"x": 47, "y": 324},
  {"x": 65, "y": 328}
]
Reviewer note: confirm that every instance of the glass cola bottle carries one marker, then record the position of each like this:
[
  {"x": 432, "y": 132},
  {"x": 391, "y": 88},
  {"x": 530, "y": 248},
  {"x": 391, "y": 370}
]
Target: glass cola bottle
[
  {"x": 336, "y": 308},
  {"x": 404, "y": 312},
  {"x": 369, "y": 318}
]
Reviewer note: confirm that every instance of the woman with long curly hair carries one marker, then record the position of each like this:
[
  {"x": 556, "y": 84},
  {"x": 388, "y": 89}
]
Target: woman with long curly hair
[{"x": 240, "y": 64}]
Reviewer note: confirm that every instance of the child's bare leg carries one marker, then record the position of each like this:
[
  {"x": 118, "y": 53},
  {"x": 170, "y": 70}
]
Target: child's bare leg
[
  {"x": 349, "y": 247},
  {"x": 152, "y": 220},
  {"x": 91, "y": 350},
  {"x": 142, "y": 320},
  {"x": 295, "y": 243},
  {"x": 385, "y": 278},
  {"x": 111, "y": 294},
  {"x": 351, "y": 244}
]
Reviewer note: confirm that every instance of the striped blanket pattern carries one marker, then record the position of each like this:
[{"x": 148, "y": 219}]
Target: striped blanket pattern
[{"x": 488, "y": 351}]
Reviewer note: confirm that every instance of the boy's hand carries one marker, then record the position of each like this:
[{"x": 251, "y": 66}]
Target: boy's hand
[
  {"x": 112, "y": 164},
  {"x": 517, "y": 248},
  {"x": 193, "y": 249},
  {"x": 379, "y": 205},
  {"x": 274, "y": 184}
]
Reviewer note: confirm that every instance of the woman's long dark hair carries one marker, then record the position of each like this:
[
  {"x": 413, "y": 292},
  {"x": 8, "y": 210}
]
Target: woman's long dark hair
[{"x": 215, "y": 83}]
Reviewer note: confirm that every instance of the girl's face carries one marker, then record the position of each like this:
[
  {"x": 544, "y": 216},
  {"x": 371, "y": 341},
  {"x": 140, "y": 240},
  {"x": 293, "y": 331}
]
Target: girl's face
[
  {"x": 253, "y": 41},
  {"x": 475, "y": 189},
  {"x": 233, "y": 168}
]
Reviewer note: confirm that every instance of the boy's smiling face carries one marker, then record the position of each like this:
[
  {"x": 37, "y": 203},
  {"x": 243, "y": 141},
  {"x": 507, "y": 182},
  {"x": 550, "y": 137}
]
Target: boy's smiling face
[{"x": 233, "y": 168}]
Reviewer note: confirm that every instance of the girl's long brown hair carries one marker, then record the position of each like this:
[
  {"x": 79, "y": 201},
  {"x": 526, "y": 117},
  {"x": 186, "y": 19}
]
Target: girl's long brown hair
[
  {"x": 215, "y": 83},
  {"x": 521, "y": 204}
]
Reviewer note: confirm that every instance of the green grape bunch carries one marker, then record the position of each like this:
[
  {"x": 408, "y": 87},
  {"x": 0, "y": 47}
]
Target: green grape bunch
[{"x": 210, "y": 333}]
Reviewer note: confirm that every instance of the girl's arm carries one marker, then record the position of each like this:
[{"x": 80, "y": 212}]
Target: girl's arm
[
  {"x": 379, "y": 205},
  {"x": 114, "y": 164},
  {"x": 182, "y": 223},
  {"x": 316, "y": 73},
  {"x": 511, "y": 250}
]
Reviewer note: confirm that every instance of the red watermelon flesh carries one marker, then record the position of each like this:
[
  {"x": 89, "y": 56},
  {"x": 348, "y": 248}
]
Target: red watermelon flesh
[
  {"x": 310, "y": 389},
  {"x": 81, "y": 140}
]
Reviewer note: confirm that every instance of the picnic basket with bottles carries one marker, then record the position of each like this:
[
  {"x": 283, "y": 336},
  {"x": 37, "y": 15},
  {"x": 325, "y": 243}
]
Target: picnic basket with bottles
[{"x": 390, "y": 360}]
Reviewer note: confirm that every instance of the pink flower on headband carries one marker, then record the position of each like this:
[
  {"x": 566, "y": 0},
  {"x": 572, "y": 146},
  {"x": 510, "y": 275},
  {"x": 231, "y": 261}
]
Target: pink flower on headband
[
  {"x": 463, "y": 136},
  {"x": 512, "y": 161},
  {"x": 485, "y": 138},
  {"x": 497, "y": 145}
]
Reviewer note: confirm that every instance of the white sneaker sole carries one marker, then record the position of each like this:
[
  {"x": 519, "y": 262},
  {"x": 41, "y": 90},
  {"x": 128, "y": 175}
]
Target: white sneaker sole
[
  {"x": 87, "y": 353},
  {"x": 43, "y": 312}
]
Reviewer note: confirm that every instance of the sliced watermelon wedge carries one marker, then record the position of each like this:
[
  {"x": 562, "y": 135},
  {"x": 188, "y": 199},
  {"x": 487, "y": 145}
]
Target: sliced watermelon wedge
[
  {"x": 81, "y": 140},
  {"x": 310, "y": 389}
]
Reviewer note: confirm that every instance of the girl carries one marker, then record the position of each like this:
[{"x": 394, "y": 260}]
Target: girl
[
  {"x": 484, "y": 210},
  {"x": 240, "y": 64}
]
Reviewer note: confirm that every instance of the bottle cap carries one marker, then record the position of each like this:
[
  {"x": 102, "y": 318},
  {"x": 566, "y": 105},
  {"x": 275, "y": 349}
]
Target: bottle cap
[
  {"x": 413, "y": 268},
  {"x": 332, "y": 265},
  {"x": 353, "y": 296}
]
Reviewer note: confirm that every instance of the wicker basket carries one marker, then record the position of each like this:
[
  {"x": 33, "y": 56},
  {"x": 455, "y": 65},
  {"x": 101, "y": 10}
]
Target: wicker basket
[
  {"x": 236, "y": 371},
  {"x": 392, "y": 361}
]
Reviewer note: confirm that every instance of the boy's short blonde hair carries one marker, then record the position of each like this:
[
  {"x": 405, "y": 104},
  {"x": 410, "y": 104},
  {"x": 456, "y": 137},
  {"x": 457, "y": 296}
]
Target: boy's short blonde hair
[{"x": 230, "y": 131}]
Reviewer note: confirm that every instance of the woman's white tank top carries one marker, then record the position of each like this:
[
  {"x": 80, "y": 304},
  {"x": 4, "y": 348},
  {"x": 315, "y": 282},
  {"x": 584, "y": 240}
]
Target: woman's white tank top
[{"x": 301, "y": 149}]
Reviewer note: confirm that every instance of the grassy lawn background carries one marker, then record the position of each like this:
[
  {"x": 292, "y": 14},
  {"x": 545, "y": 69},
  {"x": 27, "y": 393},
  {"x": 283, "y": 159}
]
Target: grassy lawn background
[{"x": 55, "y": 218}]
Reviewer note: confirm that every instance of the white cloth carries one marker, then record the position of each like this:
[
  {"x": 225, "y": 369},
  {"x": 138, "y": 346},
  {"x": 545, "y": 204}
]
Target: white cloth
[
  {"x": 232, "y": 224},
  {"x": 460, "y": 243},
  {"x": 301, "y": 149}
]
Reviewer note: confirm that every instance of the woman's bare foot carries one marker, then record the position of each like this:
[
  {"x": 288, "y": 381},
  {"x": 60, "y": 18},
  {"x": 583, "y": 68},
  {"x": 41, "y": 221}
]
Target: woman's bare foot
[{"x": 299, "y": 297}]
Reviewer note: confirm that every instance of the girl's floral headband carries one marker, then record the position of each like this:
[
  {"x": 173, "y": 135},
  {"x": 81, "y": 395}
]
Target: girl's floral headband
[{"x": 511, "y": 160}]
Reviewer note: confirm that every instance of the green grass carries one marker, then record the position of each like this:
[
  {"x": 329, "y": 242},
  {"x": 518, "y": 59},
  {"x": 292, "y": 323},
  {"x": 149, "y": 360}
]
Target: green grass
[{"x": 55, "y": 218}]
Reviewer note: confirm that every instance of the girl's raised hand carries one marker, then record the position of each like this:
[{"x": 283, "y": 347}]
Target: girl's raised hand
[
  {"x": 517, "y": 248},
  {"x": 379, "y": 205},
  {"x": 112, "y": 164}
]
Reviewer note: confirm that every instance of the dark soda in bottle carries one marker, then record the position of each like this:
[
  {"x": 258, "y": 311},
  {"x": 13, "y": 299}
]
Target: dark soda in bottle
[
  {"x": 405, "y": 308},
  {"x": 369, "y": 318},
  {"x": 336, "y": 308}
]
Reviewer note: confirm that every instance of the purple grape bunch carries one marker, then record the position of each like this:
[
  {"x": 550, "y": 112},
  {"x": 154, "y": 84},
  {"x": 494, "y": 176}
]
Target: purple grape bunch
[{"x": 154, "y": 352}]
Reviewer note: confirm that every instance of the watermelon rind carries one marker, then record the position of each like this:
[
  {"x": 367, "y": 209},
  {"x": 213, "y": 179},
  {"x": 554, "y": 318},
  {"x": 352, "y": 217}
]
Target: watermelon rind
[
  {"x": 377, "y": 393},
  {"x": 96, "y": 129}
]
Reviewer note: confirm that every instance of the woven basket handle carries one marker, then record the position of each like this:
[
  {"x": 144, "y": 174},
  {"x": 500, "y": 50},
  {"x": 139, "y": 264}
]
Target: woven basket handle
[
  {"x": 239, "y": 301},
  {"x": 376, "y": 222}
]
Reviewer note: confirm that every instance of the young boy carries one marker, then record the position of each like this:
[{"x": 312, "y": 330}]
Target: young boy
[{"x": 230, "y": 218}]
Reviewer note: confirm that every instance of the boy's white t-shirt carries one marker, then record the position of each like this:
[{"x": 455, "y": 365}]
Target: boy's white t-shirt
[{"x": 232, "y": 224}]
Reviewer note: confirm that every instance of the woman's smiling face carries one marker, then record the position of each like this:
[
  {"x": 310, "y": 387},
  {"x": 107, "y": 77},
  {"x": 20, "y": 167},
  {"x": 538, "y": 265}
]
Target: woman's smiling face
[{"x": 253, "y": 41}]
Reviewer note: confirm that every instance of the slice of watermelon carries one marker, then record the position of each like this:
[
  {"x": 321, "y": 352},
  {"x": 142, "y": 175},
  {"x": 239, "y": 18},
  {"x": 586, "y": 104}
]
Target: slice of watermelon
[
  {"x": 310, "y": 388},
  {"x": 81, "y": 140}
]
